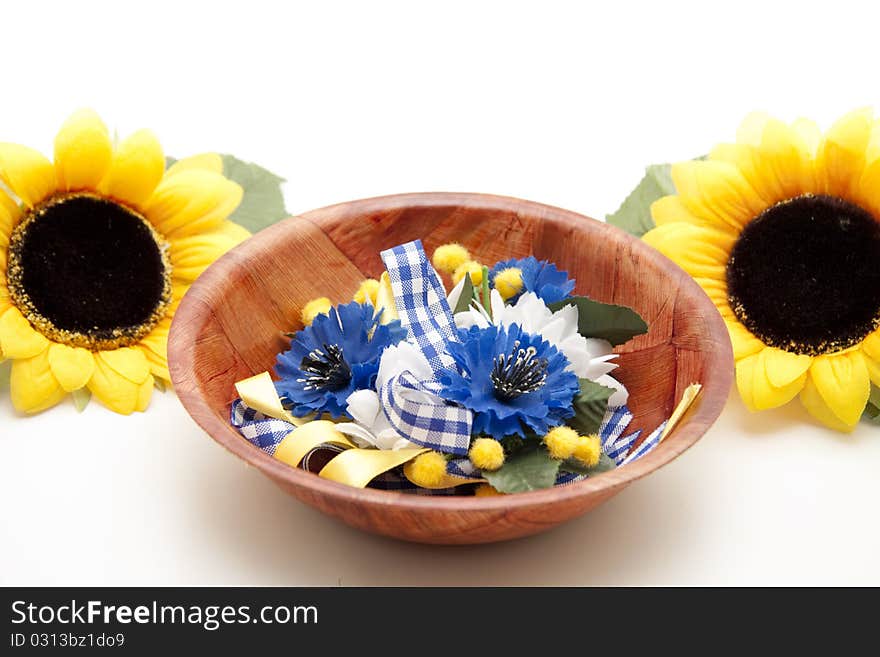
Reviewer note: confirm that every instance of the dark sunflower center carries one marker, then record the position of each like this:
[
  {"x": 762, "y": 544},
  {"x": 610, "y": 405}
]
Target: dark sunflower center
[
  {"x": 89, "y": 272},
  {"x": 517, "y": 373},
  {"x": 804, "y": 276},
  {"x": 326, "y": 369}
]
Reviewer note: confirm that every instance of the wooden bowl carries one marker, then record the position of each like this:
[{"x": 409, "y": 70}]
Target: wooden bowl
[{"x": 229, "y": 326}]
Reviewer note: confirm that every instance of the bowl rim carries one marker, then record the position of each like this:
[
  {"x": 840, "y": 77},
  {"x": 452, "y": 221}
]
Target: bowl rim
[{"x": 700, "y": 416}]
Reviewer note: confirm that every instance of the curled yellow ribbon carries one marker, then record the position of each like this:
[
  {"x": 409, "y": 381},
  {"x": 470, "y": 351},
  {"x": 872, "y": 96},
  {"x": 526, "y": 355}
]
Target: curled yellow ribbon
[
  {"x": 259, "y": 393},
  {"x": 688, "y": 397},
  {"x": 354, "y": 466}
]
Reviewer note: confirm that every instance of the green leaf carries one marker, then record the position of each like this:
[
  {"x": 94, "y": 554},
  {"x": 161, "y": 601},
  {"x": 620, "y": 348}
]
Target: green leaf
[
  {"x": 263, "y": 203},
  {"x": 605, "y": 464},
  {"x": 590, "y": 405},
  {"x": 527, "y": 470},
  {"x": 81, "y": 398},
  {"x": 484, "y": 291},
  {"x": 5, "y": 371},
  {"x": 466, "y": 297},
  {"x": 159, "y": 384},
  {"x": 617, "y": 324},
  {"x": 634, "y": 214}
]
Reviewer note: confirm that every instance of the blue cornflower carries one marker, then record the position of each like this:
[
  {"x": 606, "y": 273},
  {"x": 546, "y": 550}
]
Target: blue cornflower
[
  {"x": 538, "y": 276},
  {"x": 510, "y": 379},
  {"x": 338, "y": 354}
]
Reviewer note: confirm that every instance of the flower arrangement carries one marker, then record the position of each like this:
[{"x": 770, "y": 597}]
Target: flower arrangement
[
  {"x": 503, "y": 384},
  {"x": 781, "y": 229}
]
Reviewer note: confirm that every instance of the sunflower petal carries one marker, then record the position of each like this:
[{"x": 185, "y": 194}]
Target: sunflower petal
[
  {"x": 128, "y": 362},
  {"x": 114, "y": 391},
  {"x": 203, "y": 162},
  {"x": 18, "y": 339},
  {"x": 27, "y": 173},
  {"x": 843, "y": 382},
  {"x": 71, "y": 366},
  {"x": 773, "y": 157},
  {"x": 701, "y": 252},
  {"x": 10, "y": 214},
  {"x": 670, "y": 209},
  {"x": 786, "y": 161},
  {"x": 745, "y": 158},
  {"x": 233, "y": 231},
  {"x": 869, "y": 184},
  {"x": 816, "y": 406},
  {"x": 744, "y": 343},
  {"x": 192, "y": 202},
  {"x": 751, "y": 130},
  {"x": 871, "y": 345},
  {"x": 873, "y": 366},
  {"x": 745, "y": 380},
  {"x": 138, "y": 166},
  {"x": 841, "y": 156},
  {"x": 783, "y": 367},
  {"x": 717, "y": 192},
  {"x": 155, "y": 348},
  {"x": 756, "y": 388},
  {"x": 809, "y": 134},
  {"x": 190, "y": 256},
  {"x": 83, "y": 151},
  {"x": 32, "y": 386}
]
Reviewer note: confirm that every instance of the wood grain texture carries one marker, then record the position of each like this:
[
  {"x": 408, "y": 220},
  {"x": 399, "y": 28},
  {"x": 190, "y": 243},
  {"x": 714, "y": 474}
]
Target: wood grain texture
[{"x": 229, "y": 327}]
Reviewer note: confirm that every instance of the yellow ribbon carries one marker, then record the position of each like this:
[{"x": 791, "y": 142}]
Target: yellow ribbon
[
  {"x": 259, "y": 393},
  {"x": 355, "y": 466},
  {"x": 687, "y": 398}
]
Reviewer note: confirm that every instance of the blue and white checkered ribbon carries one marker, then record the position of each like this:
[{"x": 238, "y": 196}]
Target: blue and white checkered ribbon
[
  {"x": 421, "y": 303},
  {"x": 615, "y": 444},
  {"x": 646, "y": 446},
  {"x": 260, "y": 430},
  {"x": 424, "y": 312}
]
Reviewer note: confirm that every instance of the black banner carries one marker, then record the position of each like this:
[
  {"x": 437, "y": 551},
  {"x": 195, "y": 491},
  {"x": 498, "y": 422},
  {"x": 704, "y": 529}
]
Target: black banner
[{"x": 412, "y": 622}]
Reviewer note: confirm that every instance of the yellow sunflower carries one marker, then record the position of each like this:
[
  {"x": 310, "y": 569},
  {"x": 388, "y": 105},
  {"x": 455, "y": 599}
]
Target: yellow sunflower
[
  {"x": 96, "y": 251},
  {"x": 782, "y": 231}
]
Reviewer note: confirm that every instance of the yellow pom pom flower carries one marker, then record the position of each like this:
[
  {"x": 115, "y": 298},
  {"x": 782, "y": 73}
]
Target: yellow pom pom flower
[
  {"x": 367, "y": 291},
  {"x": 97, "y": 248},
  {"x": 486, "y": 490},
  {"x": 509, "y": 282},
  {"x": 449, "y": 257},
  {"x": 426, "y": 470},
  {"x": 588, "y": 450},
  {"x": 472, "y": 267},
  {"x": 486, "y": 454},
  {"x": 315, "y": 307},
  {"x": 781, "y": 229},
  {"x": 561, "y": 442}
]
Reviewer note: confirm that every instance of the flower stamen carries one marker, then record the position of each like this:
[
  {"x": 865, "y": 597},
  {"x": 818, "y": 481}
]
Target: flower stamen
[
  {"x": 326, "y": 369},
  {"x": 518, "y": 373}
]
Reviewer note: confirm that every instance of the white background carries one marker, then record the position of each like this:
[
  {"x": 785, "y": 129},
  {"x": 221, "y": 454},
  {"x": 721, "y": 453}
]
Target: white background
[{"x": 558, "y": 102}]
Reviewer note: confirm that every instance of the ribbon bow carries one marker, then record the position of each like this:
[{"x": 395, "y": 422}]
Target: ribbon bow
[
  {"x": 412, "y": 406},
  {"x": 264, "y": 422}
]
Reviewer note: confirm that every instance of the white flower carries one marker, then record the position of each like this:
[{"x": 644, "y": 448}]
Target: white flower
[
  {"x": 370, "y": 427},
  {"x": 589, "y": 358}
]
